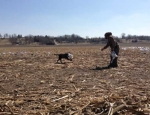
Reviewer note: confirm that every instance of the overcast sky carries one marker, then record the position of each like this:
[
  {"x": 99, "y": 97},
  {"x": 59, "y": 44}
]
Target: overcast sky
[{"x": 82, "y": 17}]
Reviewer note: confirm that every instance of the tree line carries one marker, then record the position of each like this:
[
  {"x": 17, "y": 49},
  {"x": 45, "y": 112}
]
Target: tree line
[
  {"x": 52, "y": 40},
  {"x": 135, "y": 37}
]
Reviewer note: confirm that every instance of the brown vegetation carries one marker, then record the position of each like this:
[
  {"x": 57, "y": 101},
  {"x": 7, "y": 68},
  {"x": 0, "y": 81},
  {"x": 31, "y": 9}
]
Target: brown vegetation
[{"x": 31, "y": 83}]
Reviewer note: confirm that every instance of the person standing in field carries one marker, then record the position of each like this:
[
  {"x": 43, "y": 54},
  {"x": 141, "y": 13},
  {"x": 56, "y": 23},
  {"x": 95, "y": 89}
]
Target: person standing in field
[{"x": 114, "y": 49}]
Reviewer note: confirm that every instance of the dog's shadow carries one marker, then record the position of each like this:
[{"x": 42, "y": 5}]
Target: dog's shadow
[
  {"x": 60, "y": 63},
  {"x": 63, "y": 62},
  {"x": 101, "y": 68}
]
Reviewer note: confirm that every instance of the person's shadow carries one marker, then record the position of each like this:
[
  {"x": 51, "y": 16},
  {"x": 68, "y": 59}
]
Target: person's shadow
[{"x": 101, "y": 68}]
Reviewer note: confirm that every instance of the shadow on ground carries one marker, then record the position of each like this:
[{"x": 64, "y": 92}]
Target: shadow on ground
[
  {"x": 101, "y": 68},
  {"x": 63, "y": 62}
]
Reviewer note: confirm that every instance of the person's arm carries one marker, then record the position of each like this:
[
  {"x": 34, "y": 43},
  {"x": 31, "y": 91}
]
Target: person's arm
[{"x": 106, "y": 46}]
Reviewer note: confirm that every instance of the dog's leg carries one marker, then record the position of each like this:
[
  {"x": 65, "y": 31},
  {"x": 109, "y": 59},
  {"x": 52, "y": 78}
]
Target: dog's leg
[
  {"x": 61, "y": 61},
  {"x": 57, "y": 61}
]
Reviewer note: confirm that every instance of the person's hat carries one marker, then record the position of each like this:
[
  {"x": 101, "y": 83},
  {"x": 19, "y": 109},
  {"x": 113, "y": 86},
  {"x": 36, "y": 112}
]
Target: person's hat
[{"x": 107, "y": 34}]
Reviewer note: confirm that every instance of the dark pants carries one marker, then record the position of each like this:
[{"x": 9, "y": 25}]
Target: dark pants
[{"x": 114, "y": 63}]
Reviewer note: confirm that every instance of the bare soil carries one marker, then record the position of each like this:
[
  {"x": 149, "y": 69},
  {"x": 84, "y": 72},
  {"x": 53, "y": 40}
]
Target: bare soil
[{"x": 32, "y": 83}]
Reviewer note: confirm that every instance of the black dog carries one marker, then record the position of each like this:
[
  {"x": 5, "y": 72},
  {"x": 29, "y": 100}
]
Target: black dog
[{"x": 67, "y": 56}]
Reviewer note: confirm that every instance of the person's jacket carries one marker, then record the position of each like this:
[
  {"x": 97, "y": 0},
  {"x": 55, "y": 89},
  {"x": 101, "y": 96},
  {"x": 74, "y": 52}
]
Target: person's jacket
[{"x": 111, "y": 42}]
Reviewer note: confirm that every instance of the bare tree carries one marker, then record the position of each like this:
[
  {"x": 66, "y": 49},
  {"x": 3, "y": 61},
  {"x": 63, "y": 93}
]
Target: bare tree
[
  {"x": 123, "y": 35},
  {"x": 6, "y": 35},
  {"x": 13, "y": 40},
  {"x": 14, "y": 36}
]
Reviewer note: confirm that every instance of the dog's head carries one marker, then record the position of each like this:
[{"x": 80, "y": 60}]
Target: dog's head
[{"x": 70, "y": 56}]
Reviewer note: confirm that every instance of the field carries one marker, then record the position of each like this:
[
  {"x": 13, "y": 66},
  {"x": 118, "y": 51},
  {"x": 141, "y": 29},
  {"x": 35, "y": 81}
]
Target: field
[{"x": 32, "y": 83}]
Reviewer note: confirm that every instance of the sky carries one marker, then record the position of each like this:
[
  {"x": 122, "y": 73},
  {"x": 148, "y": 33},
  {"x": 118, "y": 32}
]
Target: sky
[{"x": 86, "y": 18}]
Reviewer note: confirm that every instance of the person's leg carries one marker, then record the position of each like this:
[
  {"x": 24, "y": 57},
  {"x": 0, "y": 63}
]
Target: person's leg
[
  {"x": 115, "y": 64},
  {"x": 110, "y": 64},
  {"x": 115, "y": 61},
  {"x": 117, "y": 50}
]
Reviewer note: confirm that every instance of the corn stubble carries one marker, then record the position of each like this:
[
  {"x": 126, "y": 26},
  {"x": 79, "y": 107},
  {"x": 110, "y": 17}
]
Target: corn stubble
[{"x": 32, "y": 83}]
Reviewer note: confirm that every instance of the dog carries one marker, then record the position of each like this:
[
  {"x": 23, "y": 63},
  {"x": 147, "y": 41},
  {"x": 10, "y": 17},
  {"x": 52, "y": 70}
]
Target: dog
[{"x": 67, "y": 56}]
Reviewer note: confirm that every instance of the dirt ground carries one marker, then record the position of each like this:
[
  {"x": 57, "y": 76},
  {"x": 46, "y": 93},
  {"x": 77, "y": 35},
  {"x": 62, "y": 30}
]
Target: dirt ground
[{"x": 32, "y": 83}]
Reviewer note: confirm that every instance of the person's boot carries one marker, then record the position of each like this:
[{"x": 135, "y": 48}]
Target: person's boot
[
  {"x": 115, "y": 64},
  {"x": 110, "y": 65}
]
